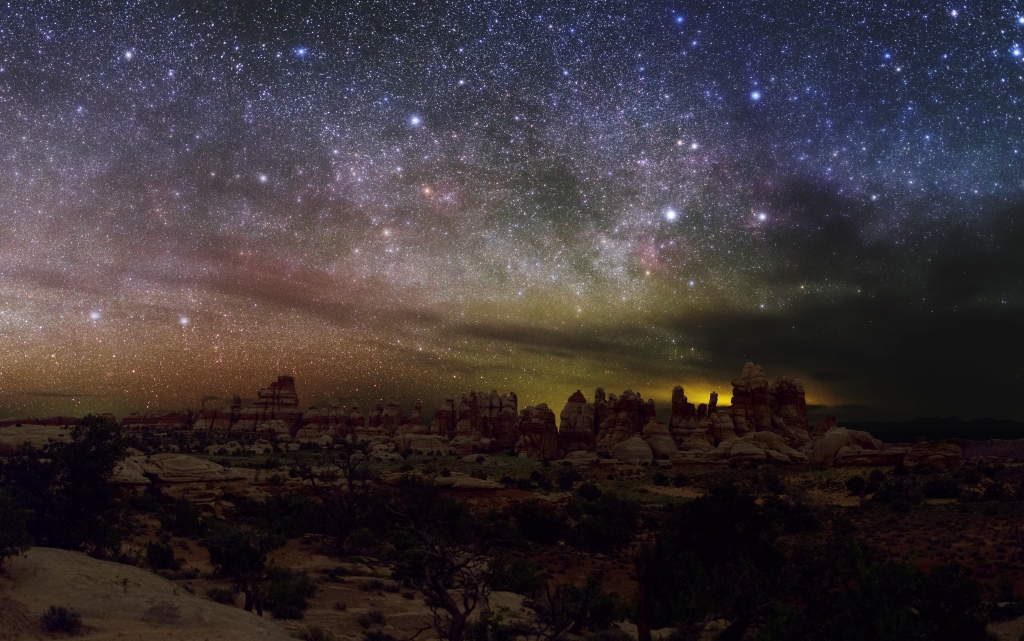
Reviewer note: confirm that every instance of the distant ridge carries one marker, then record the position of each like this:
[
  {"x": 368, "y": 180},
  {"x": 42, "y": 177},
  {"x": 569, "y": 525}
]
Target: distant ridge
[{"x": 940, "y": 427}]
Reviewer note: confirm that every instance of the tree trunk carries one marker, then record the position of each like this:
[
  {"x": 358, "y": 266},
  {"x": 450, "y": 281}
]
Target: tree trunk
[{"x": 643, "y": 611}]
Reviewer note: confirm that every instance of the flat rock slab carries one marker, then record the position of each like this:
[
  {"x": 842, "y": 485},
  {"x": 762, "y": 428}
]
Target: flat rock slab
[{"x": 124, "y": 602}]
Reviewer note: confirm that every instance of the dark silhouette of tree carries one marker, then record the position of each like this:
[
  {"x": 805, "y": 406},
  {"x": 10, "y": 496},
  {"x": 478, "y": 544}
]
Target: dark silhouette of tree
[
  {"x": 13, "y": 534},
  {"x": 65, "y": 490},
  {"x": 441, "y": 549},
  {"x": 344, "y": 485},
  {"x": 240, "y": 554}
]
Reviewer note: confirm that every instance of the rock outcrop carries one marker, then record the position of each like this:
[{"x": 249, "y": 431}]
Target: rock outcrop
[
  {"x": 538, "y": 436},
  {"x": 576, "y": 426},
  {"x": 658, "y": 438},
  {"x": 159, "y": 422}
]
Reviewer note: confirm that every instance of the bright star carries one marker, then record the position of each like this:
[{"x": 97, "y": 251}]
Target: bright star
[
  {"x": 301, "y": 52},
  {"x": 183, "y": 320},
  {"x": 762, "y": 216},
  {"x": 671, "y": 214},
  {"x": 94, "y": 315},
  {"x": 415, "y": 121},
  {"x": 755, "y": 95},
  {"x": 128, "y": 55}
]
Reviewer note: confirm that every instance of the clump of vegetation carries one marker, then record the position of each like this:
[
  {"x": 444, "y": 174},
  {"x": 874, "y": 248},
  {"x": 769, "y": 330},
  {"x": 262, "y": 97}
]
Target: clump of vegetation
[
  {"x": 13, "y": 534},
  {"x": 567, "y": 476},
  {"x": 315, "y": 633},
  {"x": 58, "y": 619},
  {"x": 287, "y": 593},
  {"x": 222, "y": 595},
  {"x": 371, "y": 617},
  {"x": 160, "y": 556},
  {"x": 680, "y": 480}
]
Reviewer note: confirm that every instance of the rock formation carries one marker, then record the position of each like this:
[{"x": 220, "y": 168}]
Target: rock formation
[
  {"x": 538, "y": 436},
  {"x": 576, "y": 425},
  {"x": 657, "y": 436},
  {"x": 276, "y": 407}
]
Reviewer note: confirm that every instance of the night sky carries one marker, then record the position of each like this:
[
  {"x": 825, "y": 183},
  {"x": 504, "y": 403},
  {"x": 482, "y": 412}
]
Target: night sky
[{"x": 418, "y": 199}]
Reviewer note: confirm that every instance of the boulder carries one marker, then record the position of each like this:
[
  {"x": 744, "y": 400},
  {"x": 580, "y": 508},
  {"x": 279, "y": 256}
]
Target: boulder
[
  {"x": 657, "y": 435},
  {"x": 633, "y": 450}
]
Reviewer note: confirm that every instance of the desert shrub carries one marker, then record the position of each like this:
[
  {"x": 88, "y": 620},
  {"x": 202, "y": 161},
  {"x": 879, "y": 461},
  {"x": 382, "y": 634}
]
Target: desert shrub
[
  {"x": 513, "y": 574},
  {"x": 316, "y": 633},
  {"x": 899, "y": 493},
  {"x": 222, "y": 595},
  {"x": 287, "y": 592},
  {"x": 995, "y": 492},
  {"x": 160, "y": 556},
  {"x": 58, "y": 619},
  {"x": 659, "y": 478},
  {"x": 856, "y": 485},
  {"x": 478, "y": 474},
  {"x": 539, "y": 524},
  {"x": 507, "y": 480},
  {"x": 542, "y": 481},
  {"x": 603, "y": 525},
  {"x": 445, "y": 472},
  {"x": 566, "y": 477},
  {"x": 373, "y": 585},
  {"x": 941, "y": 487},
  {"x": 371, "y": 617},
  {"x": 67, "y": 500},
  {"x": 13, "y": 534},
  {"x": 378, "y": 635},
  {"x": 772, "y": 482},
  {"x": 680, "y": 480},
  {"x": 971, "y": 477},
  {"x": 183, "y": 519},
  {"x": 588, "y": 492}
]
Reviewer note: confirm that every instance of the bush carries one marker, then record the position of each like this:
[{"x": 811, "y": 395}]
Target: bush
[
  {"x": 13, "y": 534},
  {"x": 541, "y": 480},
  {"x": 681, "y": 480},
  {"x": 316, "y": 633},
  {"x": 566, "y": 477},
  {"x": 539, "y": 524},
  {"x": 588, "y": 492},
  {"x": 377, "y": 635},
  {"x": 941, "y": 487},
  {"x": 373, "y": 617},
  {"x": 287, "y": 593},
  {"x": 160, "y": 556},
  {"x": 221, "y": 595},
  {"x": 510, "y": 574},
  {"x": 856, "y": 485},
  {"x": 61, "y": 619},
  {"x": 659, "y": 478}
]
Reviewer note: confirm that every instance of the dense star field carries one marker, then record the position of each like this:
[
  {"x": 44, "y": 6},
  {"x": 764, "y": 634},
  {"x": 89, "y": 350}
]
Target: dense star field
[{"x": 418, "y": 199}]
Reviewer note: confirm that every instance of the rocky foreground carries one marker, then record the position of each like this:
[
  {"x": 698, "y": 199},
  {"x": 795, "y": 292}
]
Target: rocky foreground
[{"x": 765, "y": 423}]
